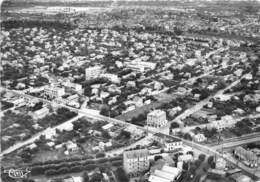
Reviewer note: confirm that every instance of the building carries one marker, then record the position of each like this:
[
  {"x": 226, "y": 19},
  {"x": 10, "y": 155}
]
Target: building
[
  {"x": 135, "y": 161},
  {"x": 41, "y": 113},
  {"x": 185, "y": 158},
  {"x": 247, "y": 156},
  {"x": 156, "y": 118},
  {"x": 54, "y": 91},
  {"x": 168, "y": 143},
  {"x": 199, "y": 138},
  {"x": 74, "y": 86},
  {"x": 221, "y": 163},
  {"x": 225, "y": 122},
  {"x": 172, "y": 144},
  {"x": 243, "y": 178},
  {"x": 72, "y": 147},
  {"x": 112, "y": 77},
  {"x": 166, "y": 174},
  {"x": 93, "y": 72},
  {"x": 140, "y": 66},
  {"x": 108, "y": 127}
]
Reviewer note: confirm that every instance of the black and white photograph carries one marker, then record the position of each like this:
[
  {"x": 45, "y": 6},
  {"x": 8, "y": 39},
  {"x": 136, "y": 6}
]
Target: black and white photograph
[{"x": 130, "y": 90}]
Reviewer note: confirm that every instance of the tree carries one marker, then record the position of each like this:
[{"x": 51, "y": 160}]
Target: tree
[
  {"x": 99, "y": 155},
  {"x": 202, "y": 157},
  {"x": 105, "y": 110},
  {"x": 121, "y": 175},
  {"x": 50, "y": 172},
  {"x": 96, "y": 177},
  {"x": 28, "y": 180},
  {"x": 125, "y": 134},
  {"x": 204, "y": 94},
  {"x": 90, "y": 167},
  {"x": 210, "y": 159},
  {"x": 157, "y": 157},
  {"x": 63, "y": 170},
  {"x": 175, "y": 125},
  {"x": 85, "y": 177},
  {"x": 26, "y": 155},
  {"x": 187, "y": 136},
  {"x": 106, "y": 135}
]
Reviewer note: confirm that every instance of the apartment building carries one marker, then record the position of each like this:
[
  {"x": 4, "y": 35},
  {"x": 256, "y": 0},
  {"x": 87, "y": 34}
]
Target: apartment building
[
  {"x": 156, "y": 118},
  {"x": 54, "y": 91},
  {"x": 93, "y": 72},
  {"x": 135, "y": 161}
]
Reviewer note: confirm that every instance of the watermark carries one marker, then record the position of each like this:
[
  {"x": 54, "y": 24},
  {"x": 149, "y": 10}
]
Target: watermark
[{"x": 17, "y": 173}]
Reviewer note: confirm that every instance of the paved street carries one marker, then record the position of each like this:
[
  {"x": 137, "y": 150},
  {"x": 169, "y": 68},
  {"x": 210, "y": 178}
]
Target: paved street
[
  {"x": 237, "y": 141},
  {"x": 205, "y": 149}
]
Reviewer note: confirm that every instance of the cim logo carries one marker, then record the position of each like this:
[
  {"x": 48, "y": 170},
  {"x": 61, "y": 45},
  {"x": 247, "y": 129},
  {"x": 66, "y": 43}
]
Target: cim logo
[{"x": 17, "y": 173}]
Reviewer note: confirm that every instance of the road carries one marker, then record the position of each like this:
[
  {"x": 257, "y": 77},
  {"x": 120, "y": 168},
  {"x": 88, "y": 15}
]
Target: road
[
  {"x": 204, "y": 149},
  {"x": 200, "y": 105},
  {"x": 118, "y": 151},
  {"x": 188, "y": 128},
  {"x": 236, "y": 141}
]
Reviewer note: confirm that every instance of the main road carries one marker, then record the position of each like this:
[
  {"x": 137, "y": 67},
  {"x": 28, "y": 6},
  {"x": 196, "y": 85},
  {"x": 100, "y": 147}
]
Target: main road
[
  {"x": 204, "y": 149},
  {"x": 202, "y": 103}
]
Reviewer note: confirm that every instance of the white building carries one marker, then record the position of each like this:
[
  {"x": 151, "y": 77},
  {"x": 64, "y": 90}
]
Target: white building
[
  {"x": 156, "y": 118},
  {"x": 221, "y": 163},
  {"x": 93, "y": 72},
  {"x": 40, "y": 113},
  {"x": 135, "y": 161},
  {"x": 199, "y": 138},
  {"x": 72, "y": 147},
  {"x": 112, "y": 77},
  {"x": 185, "y": 158},
  {"x": 74, "y": 86},
  {"x": 166, "y": 174},
  {"x": 53, "y": 91},
  {"x": 140, "y": 66},
  {"x": 168, "y": 143},
  {"x": 172, "y": 144},
  {"x": 225, "y": 122}
]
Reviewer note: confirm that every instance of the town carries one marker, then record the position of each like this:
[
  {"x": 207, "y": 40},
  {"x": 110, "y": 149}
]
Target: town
[{"x": 123, "y": 91}]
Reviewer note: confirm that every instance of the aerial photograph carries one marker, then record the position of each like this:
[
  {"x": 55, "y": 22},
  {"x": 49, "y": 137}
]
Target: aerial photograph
[{"x": 130, "y": 91}]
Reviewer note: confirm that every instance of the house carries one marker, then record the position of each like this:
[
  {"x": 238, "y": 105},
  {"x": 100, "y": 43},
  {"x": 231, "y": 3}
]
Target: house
[
  {"x": 130, "y": 84},
  {"x": 138, "y": 101},
  {"x": 225, "y": 122},
  {"x": 172, "y": 144},
  {"x": 93, "y": 72},
  {"x": 199, "y": 138},
  {"x": 238, "y": 112},
  {"x": 185, "y": 158},
  {"x": 72, "y": 147},
  {"x": 74, "y": 86},
  {"x": 19, "y": 102},
  {"x": 112, "y": 77},
  {"x": 168, "y": 143},
  {"x": 108, "y": 126},
  {"x": 221, "y": 163},
  {"x": 258, "y": 109},
  {"x": 39, "y": 114},
  {"x": 174, "y": 111},
  {"x": 32, "y": 146}
]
